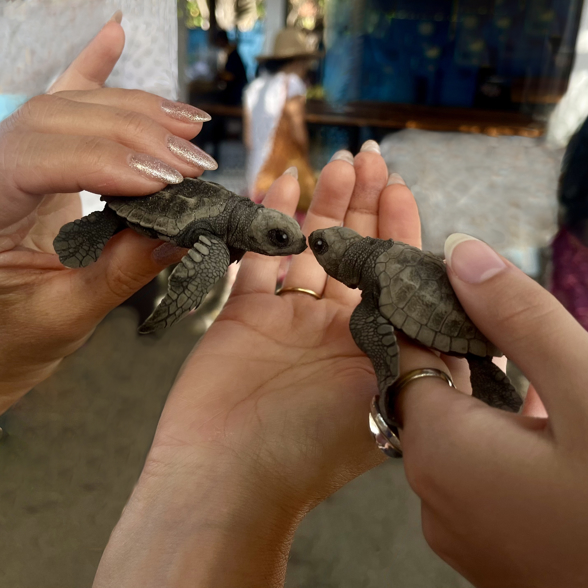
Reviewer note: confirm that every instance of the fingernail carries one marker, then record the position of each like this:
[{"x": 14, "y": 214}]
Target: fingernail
[
  {"x": 155, "y": 169},
  {"x": 189, "y": 153},
  {"x": 371, "y": 146},
  {"x": 343, "y": 155},
  {"x": 470, "y": 259},
  {"x": 395, "y": 179},
  {"x": 167, "y": 253},
  {"x": 291, "y": 171},
  {"x": 116, "y": 17},
  {"x": 184, "y": 112}
]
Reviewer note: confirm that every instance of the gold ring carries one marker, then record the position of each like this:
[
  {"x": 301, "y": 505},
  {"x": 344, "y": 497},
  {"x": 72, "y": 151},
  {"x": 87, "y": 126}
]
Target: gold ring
[
  {"x": 383, "y": 424},
  {"x": 312, "y": 293}
]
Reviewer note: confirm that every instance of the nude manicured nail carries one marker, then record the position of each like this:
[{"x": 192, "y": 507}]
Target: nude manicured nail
[
  {"x": 116, "y": 17},
  {"x": 470, "y": 259},
  {"x": 184, "y": 112},
  {"x": 155, "y": 169},
  {"x": 395, "y": 178},
  {"x": 343, "y": 155},
  {"x": 371, "y": 146},
  {"x": 291, "y": 171},
  {"x": 191, "y": 154}
]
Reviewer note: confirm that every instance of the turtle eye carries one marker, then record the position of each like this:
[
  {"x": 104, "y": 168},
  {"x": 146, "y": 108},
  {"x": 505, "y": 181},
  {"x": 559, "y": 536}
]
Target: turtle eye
[
  {"x": 279, "y": 238},
  {"x": 320, "y": 246}
]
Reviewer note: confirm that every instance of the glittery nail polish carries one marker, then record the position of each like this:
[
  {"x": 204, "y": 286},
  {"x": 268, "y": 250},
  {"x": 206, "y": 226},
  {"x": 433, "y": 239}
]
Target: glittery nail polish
[
  {"x": 184, "y": 112},
  {"x": 191, "y": 154},
  {"x": 155, "y": 169}
]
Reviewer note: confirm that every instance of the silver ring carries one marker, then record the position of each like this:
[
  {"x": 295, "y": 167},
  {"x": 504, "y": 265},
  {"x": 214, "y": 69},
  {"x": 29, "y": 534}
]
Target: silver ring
[{"x": 384, "y": 428}]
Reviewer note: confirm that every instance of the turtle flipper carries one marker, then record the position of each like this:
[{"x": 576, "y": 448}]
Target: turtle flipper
[
  {"x": 80, "y": 242},
  {"x": 374, "y": 335},
  {"x": 491, "y": 385},
  {"x": 198, "y": 271}
]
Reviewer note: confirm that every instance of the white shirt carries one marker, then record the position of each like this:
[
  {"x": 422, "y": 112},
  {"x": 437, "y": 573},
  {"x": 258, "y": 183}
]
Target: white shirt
[{"x": 264, "y": 100}]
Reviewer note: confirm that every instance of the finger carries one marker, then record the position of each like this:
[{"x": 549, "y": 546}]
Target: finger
[
  {"x": 181, "y": 119},
  {"x": 93, "y": 65},
  {"x": 362, "y": 216},
  {"x": 56, "y": 115},
  {"x": 328, "y": 207},
  {"x": 129, "y": 262},
  {"x": 258, "y": 273},
  {"x": 530, "y": 326},
  {"x": 61, "y": 163},
  {"x": 399, "y": 217},
  {"x": 533, "y": 406}
]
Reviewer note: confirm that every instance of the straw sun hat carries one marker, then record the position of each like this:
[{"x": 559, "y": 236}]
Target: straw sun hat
[{"x": 290, "y": 43}]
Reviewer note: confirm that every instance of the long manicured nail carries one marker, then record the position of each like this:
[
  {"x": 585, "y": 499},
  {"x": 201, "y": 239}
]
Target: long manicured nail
[
  {"x": 291, "y": 171},
  {"x": 470, "y": 259},
  {"x": 189, "y": 153},
  {"x": 184, "y": 112},
  {"x": 167, "y": 253},
  {"x": 116, "y": 17},
  {"x": 155, "y": 169},
  {"x": 371, "y": 146},
  {"x": 395, "y": 178},
  {"x": 343, "y": 155}
]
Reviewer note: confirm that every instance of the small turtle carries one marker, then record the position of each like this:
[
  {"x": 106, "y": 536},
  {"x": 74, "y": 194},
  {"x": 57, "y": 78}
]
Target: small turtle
[
  {"x": 407, "y": 289},
  {"x": 217, "y": 227}
]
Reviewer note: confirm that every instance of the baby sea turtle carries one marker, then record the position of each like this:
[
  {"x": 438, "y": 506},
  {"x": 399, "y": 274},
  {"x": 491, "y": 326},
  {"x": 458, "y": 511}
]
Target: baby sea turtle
[
  {"x": 406, "y": 289},
  {"x": 217, "y": 227}
]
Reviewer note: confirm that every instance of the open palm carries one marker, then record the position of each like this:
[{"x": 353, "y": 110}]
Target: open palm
[{"x": 278, "y": 380}]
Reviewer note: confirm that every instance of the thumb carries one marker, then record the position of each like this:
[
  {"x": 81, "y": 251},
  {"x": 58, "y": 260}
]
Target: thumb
[
  {"x": 525, "y": 321},
  {"x": 94, "y": 64}
]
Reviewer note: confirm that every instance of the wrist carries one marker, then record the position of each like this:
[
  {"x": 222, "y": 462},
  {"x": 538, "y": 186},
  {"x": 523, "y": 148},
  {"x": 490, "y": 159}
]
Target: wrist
[{"x": 200, "y": 520}]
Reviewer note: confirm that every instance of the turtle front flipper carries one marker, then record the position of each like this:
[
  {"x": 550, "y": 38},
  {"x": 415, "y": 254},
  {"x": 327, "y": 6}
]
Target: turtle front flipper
[
  {"x": 491, "y": 385},
  {"x": 198, "y": 271},
  {"x": 81, "y": 242},
  {"x": 374, "y": 335}
]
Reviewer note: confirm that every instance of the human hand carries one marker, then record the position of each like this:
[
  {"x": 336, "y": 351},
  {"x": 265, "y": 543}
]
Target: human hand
[
  {"x": 504, "y": 495},
  {"x": 79, "y": 136},
  {"x": 270, "y": 413}
]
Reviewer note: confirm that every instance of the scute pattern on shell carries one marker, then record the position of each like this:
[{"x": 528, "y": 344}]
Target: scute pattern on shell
[
  {"x": 170, "y": 211},
  {"x": 417, "y": 298}
]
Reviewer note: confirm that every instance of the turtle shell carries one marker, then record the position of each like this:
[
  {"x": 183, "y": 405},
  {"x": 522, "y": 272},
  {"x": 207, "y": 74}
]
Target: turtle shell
[
  {"x": 171, "y": 210},
  {"x": 417, "y": 298}
]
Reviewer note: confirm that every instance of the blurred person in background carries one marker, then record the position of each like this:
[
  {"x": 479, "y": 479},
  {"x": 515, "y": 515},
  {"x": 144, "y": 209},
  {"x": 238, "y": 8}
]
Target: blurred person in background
[
  {"x": 275, "y": 130},
  {"x": 232, "y": 76},
  {"x": 569, "y": 279}
]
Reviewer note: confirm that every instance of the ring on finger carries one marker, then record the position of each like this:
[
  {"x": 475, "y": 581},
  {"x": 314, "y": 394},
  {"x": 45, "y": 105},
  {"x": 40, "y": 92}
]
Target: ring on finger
[
  {"x": 383, "y": 424},
  {"x": 312, "y": 293}
]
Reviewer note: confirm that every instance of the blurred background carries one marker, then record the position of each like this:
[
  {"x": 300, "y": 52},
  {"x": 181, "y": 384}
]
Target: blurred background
[{"x": 472, "y": 101}]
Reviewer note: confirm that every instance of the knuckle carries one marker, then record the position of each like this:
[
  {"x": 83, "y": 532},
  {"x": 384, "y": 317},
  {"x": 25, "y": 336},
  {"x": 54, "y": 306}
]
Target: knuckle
[
  {"x": 136, "y": 97},
  {"x": 134, "y": 124},
  {"x": 123, "y": 282}
]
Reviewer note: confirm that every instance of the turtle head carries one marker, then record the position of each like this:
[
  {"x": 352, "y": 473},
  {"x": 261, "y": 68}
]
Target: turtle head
[
  {"x": 336, "y": 250},
  {"x": 275, "y": 233}
]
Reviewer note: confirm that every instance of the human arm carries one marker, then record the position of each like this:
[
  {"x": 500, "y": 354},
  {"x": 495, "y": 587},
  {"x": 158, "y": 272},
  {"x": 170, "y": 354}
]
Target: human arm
[
  {"x": 503, "y": 495},
  {"x": 80, "y": 136}
]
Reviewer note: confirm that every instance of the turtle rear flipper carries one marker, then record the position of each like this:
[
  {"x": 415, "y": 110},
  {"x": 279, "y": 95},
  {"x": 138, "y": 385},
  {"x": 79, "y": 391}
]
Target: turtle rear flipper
[
  {"x": 198, "y": 271},
  {"x": 491, "y": 385},
  {"x": 81, "y": 242}
]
